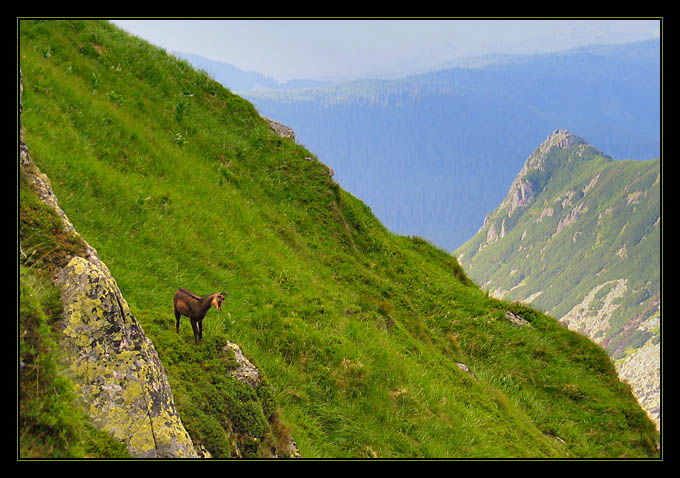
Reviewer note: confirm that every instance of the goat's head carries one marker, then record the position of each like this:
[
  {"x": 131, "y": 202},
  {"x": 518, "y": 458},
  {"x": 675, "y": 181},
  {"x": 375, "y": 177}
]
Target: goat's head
[{"x": 218, "y": 299}]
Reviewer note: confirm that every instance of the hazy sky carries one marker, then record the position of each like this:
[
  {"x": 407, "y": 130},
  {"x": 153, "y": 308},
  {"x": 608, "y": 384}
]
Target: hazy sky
[{"x": 343, "y": 49}]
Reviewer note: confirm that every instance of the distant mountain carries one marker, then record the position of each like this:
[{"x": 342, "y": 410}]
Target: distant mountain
[
  {"x": 578, "y": 236},
  {"x": 239, "y": 80},
  {"x": 432, "y": 154}
]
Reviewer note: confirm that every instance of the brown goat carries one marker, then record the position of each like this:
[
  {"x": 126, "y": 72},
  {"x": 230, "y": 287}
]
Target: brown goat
[{"x": 195, "y": 307}]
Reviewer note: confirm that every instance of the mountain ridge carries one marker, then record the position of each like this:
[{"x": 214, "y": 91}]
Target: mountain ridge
[
  {"x": 577, "y": 221},
  {"x": 238, "y": 80}
]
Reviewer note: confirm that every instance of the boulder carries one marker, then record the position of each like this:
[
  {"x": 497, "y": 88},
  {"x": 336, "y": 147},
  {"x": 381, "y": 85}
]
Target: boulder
[
  {"x": 115, "y": 367},
  {"x": 246, "y": 372}
]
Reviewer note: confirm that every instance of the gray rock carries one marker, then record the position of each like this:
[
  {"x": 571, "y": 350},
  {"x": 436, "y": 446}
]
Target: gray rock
[
  {"x": 516, "y": 319},
  {"x": 115, "y": 367},
  {"x": 246, "y": 372},
  {"x": 466, "y": 369},
  {"x": 281, "y": 129}
]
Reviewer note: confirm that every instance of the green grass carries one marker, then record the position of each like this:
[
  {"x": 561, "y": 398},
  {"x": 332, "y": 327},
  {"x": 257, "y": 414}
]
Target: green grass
[
  {"x": 179, "y": 183},
  {"x": 51, "y": 423}
]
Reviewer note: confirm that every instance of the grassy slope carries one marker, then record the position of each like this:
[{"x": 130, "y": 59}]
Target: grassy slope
[
  {"x": 51, "y": 423},
  {"x": 178, "y": 183}
]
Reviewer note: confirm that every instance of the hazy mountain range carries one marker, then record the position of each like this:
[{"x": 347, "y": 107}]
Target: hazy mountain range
[
  {"x": 433, "y": 154},
  {"x": 239, "y": 80}
]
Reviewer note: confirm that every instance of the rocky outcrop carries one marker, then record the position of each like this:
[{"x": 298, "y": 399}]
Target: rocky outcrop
[
  {"x": 104, "y": 351},
  {"x": 642, "y": 370},
  {"x": 115, "y": 366},
  {"x": 560, "y": 138},
  {"x": 280, "y": 129},
  {"x": 523, "y": 190},
  {"x": 516, "y": 319},
  {"x": 594, "y": 320},
  {"x": 247, "y": 373},
  {"x": 573, "y": 216},
  {"x": 287, "y": 132}
]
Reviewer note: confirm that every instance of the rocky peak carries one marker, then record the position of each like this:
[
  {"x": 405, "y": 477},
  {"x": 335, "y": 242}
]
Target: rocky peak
[
  {"x": 560, "y": 138},
  {"x": 521, "y": 190}
]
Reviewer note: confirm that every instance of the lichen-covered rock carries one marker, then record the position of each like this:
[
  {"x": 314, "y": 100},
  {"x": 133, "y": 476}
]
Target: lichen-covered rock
[{"x": 115, "y": 366}]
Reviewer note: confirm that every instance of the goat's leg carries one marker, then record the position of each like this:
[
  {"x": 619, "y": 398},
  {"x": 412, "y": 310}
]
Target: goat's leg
[
  {"x": 177, "y": 316},
  {"x": 194, "y": 325},
  {"x": 200, "y": 330}
]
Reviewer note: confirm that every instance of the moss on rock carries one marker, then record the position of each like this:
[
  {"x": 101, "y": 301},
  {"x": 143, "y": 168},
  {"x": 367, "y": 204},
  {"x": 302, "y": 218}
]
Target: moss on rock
[{"x": 115, "y": 366}]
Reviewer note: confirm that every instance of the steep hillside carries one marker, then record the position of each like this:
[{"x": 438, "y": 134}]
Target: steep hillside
[
  {"x": 374, "y": 345},
  {"x": 91, "y": 382},
  {"x": 237, "y": 80},
  {"x": 418, "y": 148},
  {"x": 578, "y": 236}
]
